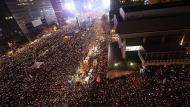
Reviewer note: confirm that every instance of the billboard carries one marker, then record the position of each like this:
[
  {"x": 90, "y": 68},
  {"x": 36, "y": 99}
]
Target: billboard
[{"x": 37, "y": 22}]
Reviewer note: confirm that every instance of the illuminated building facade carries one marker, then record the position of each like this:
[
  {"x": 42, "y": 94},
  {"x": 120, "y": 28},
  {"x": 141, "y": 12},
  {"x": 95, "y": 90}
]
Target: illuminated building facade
[
  {"x": 27, "y": 11},
  {"x": 116, "y": 4},
  {"x": 61, "y": 14},
  {"x": 156, "y": 33},
  {"x": 9, "y": 29}
]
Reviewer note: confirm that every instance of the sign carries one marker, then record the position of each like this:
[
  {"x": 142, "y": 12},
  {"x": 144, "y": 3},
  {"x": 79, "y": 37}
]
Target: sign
[{"x": 37, "y": 22}]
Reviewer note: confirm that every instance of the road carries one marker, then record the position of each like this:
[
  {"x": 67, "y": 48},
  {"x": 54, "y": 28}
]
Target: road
[{"x": 23, "y": 85}]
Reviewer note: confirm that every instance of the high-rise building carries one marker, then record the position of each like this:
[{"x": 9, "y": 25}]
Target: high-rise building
[
  {"x": 9, "y": 29},
  {"x": 156, "y": 34},
  {"x": 60, "y": 13},
  {"x": 29, "y": 14},
  {"x": 116, "y": 4}
]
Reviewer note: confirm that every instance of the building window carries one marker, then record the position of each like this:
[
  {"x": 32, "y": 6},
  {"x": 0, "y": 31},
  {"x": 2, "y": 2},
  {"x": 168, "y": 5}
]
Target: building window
[
  {"x": 8, "y": 17},
  {"x": 24, "y": 2},
  {"x": 21, "y": 1}
]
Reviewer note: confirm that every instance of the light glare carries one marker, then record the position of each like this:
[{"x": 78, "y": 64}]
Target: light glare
[
  {"x": 132, "y": 64},
  {"x": 106, "y": 4},
  {"x": 70, "y": 6},
  {"x": 89, "y": 6},
  {"x": 134, "y": 48},
  {"x": 116, "y": 64}
]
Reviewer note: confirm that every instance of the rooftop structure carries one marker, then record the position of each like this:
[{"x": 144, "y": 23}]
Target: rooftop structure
[
  {"x": 9, "y": 29},
  {"x": 30, "y": 13},
  {"x": 58, "y": 6},
  {"x": 157, "y": 28}
]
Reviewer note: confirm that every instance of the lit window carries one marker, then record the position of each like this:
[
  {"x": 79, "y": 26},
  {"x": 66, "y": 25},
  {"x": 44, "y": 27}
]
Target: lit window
[
  {"x": 131, "y": 64},
  {"x": 8, "y": 17},
  {"x": 182, "y": 40},
  {"x": 134, "y": 48},
  {"x": 136, "y": 0},
  {"x": 22, "y": 4},
  {"x": 116, "y": 64}
]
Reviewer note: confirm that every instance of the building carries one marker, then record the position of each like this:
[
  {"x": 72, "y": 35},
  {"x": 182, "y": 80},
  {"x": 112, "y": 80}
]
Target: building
[
  {"x": 9, "y": 29},
  {"x": 60, "y": 12},
  {"x": 156, "y": 33},
  {"x": 30, "y": 14},
  {"x": 116, "y": 4}
]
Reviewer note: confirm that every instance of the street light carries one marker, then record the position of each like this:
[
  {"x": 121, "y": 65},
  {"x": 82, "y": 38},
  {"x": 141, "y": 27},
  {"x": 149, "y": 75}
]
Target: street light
[{"x": 131, "y": 64}]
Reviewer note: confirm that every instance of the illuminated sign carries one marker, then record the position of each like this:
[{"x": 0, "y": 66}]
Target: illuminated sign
[
  {"x": 134, "y": 48},
  {"x": 8, "y": 17},
  {"x": 36, "y": 22}
]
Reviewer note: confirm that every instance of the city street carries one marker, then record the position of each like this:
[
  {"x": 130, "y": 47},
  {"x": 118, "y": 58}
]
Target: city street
[
  {"x": 39, "y": 73},
  {"x": 48, "y": 72},
  {"x": 94, "y": 53}
]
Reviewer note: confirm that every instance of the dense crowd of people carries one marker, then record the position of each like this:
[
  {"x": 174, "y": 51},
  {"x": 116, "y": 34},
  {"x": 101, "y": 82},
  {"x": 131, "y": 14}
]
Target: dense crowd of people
[
  {"x": 21, "y": 85},
  {"x": 162, "y": 86}
]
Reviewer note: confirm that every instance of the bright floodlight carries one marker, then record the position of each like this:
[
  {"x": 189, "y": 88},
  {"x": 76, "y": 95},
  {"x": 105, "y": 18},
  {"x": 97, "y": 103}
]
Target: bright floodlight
[
  {"x": 70, "y": 6},
  {"x": 106, "y": 4}
]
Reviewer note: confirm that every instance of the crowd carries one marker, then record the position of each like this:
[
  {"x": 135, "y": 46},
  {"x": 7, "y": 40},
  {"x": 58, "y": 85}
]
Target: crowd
[{"x": 21, "y": 85}]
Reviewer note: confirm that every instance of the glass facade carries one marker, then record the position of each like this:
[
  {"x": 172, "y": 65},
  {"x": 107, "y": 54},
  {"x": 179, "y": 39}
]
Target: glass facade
[
  {"x": 26, "y": 11},
  {"x": 9, "y": 29}
]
